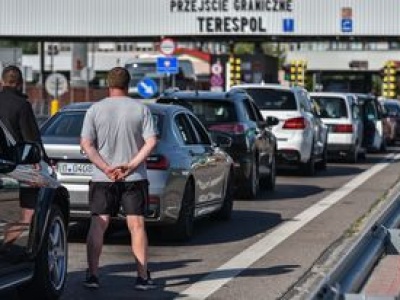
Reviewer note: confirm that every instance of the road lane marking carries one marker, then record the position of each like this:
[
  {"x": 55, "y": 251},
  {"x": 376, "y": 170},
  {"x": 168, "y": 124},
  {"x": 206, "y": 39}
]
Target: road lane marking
[{"x": 212, "y": 282}]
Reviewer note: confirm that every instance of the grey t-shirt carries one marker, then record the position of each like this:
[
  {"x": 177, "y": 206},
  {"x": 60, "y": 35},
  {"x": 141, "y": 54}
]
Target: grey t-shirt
[{"x": 118, "y": 127}]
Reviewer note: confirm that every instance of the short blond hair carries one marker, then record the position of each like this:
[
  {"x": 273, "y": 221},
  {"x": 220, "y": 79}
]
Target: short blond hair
[{"x": 119, "y": 78}]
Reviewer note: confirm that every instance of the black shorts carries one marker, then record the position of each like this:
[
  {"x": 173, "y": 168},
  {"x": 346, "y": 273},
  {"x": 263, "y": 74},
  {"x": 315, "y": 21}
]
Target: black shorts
[
  {"x": 28, "y": 197},
  {"x": 106, "y": 198}
]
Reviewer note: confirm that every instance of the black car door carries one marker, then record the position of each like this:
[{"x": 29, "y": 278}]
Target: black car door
[
  {"x": 262, "y": 141},
  {"x": 14, "y": 231}
]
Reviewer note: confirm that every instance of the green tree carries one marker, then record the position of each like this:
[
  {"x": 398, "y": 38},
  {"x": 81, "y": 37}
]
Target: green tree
[{"x": 27, "y": 47}]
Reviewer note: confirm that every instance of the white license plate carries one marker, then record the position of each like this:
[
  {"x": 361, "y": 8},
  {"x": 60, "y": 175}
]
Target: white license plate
[{"x": 75, "y": 169}]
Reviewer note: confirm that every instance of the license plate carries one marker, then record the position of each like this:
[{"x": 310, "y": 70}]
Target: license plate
[{"x": 75, "y": 169}]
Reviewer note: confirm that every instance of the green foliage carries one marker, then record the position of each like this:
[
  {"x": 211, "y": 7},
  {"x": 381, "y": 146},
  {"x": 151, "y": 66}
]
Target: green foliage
[
  {"x": 271, "y": 49},
  {"x": 27, "y": 47},
  {"x": 244, "y": 48}
]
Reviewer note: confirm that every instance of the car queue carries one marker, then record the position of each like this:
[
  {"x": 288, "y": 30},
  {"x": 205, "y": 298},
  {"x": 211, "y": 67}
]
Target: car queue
[
  {"x": 213, "y": 147},
  {"x": 217, "y": 146}
]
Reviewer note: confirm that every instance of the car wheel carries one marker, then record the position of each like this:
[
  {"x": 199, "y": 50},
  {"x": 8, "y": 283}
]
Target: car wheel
[
  {"x": 352, "y": 156},
  {"x": 270, "y": 180},
  {"x": 183, "y": 229},
  {"x": 226, "y": 210},
  {"x": 324, "y": 160},
  {"x": 252, "y": 186},
  {"x": 51, "y": 262},
  {"x": 308, "y": 168},
  {"x": 383, "y": 147}
]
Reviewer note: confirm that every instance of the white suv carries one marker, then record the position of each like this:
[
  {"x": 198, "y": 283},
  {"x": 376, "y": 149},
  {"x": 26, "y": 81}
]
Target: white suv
[
  {"x": 299, "y": 143},
  {"x": 341, "y": 113}
]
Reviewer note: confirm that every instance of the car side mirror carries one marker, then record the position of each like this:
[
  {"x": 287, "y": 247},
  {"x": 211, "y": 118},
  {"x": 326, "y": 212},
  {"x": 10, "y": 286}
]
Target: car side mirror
[
  {"x": 7, "y": 166},
  {"x": 271, "y": 121},
  {"x": 27, "y": 153},
  {"x": 221, "y": 140}
]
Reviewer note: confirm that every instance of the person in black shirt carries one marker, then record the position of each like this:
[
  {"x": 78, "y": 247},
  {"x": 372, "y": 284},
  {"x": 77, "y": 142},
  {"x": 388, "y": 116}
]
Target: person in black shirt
[
  {"x": 16, "y": 112},
  {"x": 17, "y": 115}
]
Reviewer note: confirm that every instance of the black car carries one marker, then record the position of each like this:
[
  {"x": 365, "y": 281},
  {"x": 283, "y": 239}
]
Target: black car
[
  {"x": 33, "y": 254},
  {"x": 235, "y": 114}
]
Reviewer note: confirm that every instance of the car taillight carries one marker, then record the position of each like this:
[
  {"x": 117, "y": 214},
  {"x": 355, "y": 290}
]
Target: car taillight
[
  {"x": 236, "y": 128},
  {"x": 342, "y": 128},
  {"x": 157, "y": 162},
  {"x": 295, "y": 123}
]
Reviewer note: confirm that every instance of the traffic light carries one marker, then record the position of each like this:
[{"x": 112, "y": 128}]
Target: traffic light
[
  {"x": 235, "y": 70},
  {"x": 389, "y": 86},
  {"x": 298, "y": 72}
]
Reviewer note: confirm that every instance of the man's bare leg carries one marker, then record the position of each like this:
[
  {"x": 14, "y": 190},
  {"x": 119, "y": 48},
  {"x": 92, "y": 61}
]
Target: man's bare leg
[
  {"x": 139, "y": 243},
  {"x": 94, "y": 241}
]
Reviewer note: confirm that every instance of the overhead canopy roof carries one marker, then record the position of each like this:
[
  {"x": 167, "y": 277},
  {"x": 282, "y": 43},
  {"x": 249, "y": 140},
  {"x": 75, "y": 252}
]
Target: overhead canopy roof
[{"x": 199, "y": 19}]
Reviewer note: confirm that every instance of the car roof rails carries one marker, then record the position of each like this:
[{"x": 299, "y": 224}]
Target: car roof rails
[
  {"x": 171, "y": 90},
  {"x": 237, "y": 90}
]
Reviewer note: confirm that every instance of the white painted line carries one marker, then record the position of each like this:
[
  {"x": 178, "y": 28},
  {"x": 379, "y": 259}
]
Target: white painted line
[{"x": 217, "y": 278}]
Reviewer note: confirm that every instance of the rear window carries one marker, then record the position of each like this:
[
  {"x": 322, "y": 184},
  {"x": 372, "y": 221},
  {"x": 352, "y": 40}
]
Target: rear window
[
  {"x": 209, "y": 111},
  {"x": 66, "y": 124},
  {"x": 69, "y": 124},
  {"x": 392, "y": 108},
  {"x": 273, "y": 99},
  {"x": 158, "y": 122},
  {"x": 331, "y": 107}
]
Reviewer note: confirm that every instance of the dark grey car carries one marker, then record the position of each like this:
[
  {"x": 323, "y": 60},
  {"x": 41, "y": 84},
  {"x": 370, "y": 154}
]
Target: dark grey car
[
  {"x": 253, "y": 147},
  {"x": 189, "y": 175},
  {"x": 33, "y": 256}
]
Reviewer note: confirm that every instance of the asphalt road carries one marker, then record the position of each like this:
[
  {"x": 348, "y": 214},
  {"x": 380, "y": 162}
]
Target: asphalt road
[{"x": 263, "y": 252}]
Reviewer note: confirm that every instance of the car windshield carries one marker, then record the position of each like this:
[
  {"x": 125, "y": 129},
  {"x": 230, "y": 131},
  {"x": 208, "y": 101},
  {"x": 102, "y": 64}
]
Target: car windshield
[
  {"x": 211, "y": 111},
  {"x": 69, "y": 124},
  {"x": 273, "y": 99},
  {"x": 331, "y": 107}
]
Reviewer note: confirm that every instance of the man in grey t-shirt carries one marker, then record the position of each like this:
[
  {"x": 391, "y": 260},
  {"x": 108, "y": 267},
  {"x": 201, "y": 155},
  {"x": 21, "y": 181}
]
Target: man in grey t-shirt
[{"x": 117, "y": 135}]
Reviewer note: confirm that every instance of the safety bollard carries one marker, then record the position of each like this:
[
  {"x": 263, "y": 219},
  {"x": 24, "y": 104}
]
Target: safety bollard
[{"x": 54, "y": 106}]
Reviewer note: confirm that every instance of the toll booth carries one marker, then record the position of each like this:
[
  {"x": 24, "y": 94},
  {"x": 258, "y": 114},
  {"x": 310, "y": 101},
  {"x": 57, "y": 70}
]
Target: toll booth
[{"x": 229, "y": 70}]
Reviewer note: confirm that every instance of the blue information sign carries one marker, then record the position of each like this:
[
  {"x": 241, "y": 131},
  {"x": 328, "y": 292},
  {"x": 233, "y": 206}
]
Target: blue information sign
[
  {"x": 288, "y": 25},
  {"x": 347, "y": 25},
  {"x": 167, "y": 65},
  {"x": 147, "y": 88}
]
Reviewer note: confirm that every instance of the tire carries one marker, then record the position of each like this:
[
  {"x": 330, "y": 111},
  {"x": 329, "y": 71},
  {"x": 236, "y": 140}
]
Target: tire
[
  {"x": 182, "y": 230},
  {"x": 308, "y": 168},
  {"x": 51, "y": 262},
  {"x": 252, "y": 185},
  {"x": 362, "y": 155},
  {"x": 269, "y": 182},
  {"x": 321, "y": 165},
  {"x": 383, "y": 147},
  {"x": 352, "y": 156},
  {"x": 225, "y": 213}
]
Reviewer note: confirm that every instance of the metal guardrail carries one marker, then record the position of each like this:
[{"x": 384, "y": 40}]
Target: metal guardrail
[{"x": 354, "y": 268}]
